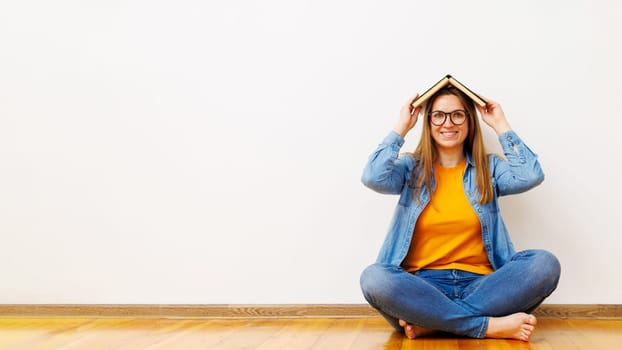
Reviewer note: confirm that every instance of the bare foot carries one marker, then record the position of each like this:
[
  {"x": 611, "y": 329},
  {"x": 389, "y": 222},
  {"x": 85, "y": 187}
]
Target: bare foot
[
  {"x": 413, "y": 331},
  {"x": 515, "y": 326}
]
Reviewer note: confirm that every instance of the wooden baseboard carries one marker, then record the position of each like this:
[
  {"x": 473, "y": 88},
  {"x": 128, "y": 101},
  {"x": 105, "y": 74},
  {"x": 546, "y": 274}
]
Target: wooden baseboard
[
  {"x": 189, "y": 311},
  {"x": 596, "y": 311},
  {"x": 593, "y": 311}
]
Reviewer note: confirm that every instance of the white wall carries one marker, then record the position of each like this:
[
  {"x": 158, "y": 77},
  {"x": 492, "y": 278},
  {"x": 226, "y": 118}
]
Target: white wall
[{"x": 210, "y": 152}]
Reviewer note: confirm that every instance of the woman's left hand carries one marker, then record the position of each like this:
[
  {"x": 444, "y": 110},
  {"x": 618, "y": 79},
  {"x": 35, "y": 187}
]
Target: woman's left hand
[{"x": 493, "y": 116}]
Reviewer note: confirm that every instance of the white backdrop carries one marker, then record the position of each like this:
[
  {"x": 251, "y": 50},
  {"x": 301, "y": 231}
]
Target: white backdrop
[{"x": 211, "y": 151}]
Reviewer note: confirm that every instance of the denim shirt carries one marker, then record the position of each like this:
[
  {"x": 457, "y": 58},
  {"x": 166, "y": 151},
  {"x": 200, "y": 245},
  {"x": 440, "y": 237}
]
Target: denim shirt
[{"x": 387, "y": 172}]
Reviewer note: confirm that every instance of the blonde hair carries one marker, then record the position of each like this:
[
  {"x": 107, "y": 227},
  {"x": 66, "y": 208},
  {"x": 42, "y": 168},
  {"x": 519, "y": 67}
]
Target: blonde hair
[{"x": 426, "y": 152}]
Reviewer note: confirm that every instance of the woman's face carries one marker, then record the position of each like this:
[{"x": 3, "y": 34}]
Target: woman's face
[{"x": 449, "y": 136}]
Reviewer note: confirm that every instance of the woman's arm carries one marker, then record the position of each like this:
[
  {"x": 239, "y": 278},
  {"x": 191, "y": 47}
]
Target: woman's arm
[
  {"x": 520, "y": 170},
  {"x": 385, "y": 171},
  {"x": 494, "y": 117}
]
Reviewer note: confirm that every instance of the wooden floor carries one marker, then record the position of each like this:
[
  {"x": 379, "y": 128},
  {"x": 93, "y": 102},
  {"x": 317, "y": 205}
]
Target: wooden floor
[{"x": 287, "y": 334}]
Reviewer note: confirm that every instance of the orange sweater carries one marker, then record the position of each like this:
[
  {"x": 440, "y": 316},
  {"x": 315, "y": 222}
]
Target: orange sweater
[{"x": 448, "y": 233}]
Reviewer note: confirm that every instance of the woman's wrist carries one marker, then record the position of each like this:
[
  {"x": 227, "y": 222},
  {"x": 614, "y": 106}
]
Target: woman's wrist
[
  {"x": 400, "y": 130},
  {"x": 502, "y": 127}
]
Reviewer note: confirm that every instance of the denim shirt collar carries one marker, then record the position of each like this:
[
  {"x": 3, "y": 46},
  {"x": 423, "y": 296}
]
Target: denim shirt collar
[{"x": 469, "y": 159}]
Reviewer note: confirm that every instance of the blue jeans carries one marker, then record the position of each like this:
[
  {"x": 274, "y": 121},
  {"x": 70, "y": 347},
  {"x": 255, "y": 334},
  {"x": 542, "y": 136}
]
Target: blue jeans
[{"x": 457, "y": 301}]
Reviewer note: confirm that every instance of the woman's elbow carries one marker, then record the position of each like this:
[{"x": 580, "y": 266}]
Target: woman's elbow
[
  {"x": 377, "y": 184},
  {"x": 537, "y": 176},
  {"x": 371, "y": 181},
  {"x": 533, "y": 181}
]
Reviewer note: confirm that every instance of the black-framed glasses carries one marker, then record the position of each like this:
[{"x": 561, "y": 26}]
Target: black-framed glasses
[{"x": 457, "y": 117}]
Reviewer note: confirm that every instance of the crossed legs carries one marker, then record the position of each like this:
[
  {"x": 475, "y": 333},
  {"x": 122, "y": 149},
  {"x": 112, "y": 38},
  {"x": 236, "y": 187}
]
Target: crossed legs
[{"x": 496, "y": 305}]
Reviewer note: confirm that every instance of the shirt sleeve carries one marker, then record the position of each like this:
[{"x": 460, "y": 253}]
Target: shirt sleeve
[
  {"x": 386, "y": 172},
  {"x": 520, "y": 171}
]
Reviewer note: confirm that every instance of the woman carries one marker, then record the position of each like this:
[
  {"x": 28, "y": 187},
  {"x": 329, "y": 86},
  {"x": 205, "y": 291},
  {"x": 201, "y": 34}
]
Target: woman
[{"x": 447, "y": 263}]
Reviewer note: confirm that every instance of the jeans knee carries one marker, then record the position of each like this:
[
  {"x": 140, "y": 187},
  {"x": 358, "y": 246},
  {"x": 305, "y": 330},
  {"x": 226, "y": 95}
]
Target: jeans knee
[
  {"x": 546, "y": 267},
  {"x": 374, "y": 283},
  {"x": 367, "y": 281}
]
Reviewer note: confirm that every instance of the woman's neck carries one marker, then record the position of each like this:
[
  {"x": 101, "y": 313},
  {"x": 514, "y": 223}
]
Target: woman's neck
[{"x": 450, "y": 158}]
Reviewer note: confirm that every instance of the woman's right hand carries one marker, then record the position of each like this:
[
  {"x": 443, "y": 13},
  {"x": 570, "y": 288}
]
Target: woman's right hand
[{"x": 408, "y": 117}]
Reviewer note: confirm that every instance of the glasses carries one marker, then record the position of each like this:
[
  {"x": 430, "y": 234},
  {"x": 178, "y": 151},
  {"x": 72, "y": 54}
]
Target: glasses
[{"x": 457, "y": 117}]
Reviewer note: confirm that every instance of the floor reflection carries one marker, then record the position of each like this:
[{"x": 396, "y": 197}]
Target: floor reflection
[{"x": 398, "y": 340}]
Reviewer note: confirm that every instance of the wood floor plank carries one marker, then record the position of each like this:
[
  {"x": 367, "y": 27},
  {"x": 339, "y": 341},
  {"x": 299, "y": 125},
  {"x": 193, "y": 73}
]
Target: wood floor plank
[
  {"x": 63, "y": 331},
  {"x": 107, "y": 334},
  {"x": 165, "y": 333},
  {"x": 17, "y": 331},
  {"x": 340, "y": 333},
  {"x": 556, "y": 334},
  {"x": 250, "y": 336},
  {"x": 214, "y": 334},
  {"x": 376, "y": 334},
  {"x": 290, "y": 334},
  {"x": 599, "y": 334},
  {"x": 296, "y": 334},
  {"x": 193, "y": 335}
]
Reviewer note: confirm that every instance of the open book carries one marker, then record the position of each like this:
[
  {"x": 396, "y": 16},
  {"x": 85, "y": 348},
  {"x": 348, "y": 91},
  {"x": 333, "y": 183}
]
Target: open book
[{"x": 448, "y": 80}]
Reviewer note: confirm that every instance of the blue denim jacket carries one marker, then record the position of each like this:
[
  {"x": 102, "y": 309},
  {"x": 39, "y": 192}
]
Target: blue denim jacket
[{"x": 387, "y": 172}]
